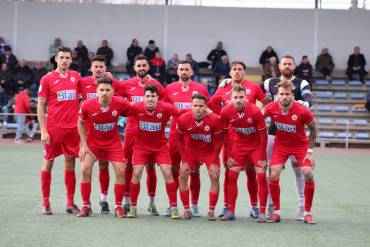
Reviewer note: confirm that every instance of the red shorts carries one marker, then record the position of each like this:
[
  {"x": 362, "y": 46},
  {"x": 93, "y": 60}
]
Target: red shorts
[
  {"x": 160, "y": 156},
  {"x": 62, "y": 141},
  {"x": 174, "y": 150},
  {"x": 244, "y": 158},
  {"x": 197, "y": 160},
  {"x": 281, "y": 154},
  {"x": 112, "y": 155},
  {"x": 128, "y": 144}
]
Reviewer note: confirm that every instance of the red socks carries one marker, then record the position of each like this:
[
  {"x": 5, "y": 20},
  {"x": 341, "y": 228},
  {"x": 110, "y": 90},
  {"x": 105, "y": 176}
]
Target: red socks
[
  {"x": 104, "y": 180},
  {"x": 194, "y": 187},
  {"x": 252, "y": 187},
  {"x": 275, "y": 193},
  {"x": 171, "y": 189},
  {"x": 309, "y": 190},
  {"x": 262, "y": 191},
  {"x": 232, "y": 189},
  {"x": 151, "y": 180},
  {"x": 70, "y": 183},
  {"x": 85, "y": 193},
  {"x": 119, "y": 190},
  {"x": 213, "y": 198},
  {"x": 45, "y": 187},
  {"x": 226, "y": 204},
  {"x": 184, "y": 195},
  {"x": 128, "y": 176},
  {"x": 134, "y": 193}
]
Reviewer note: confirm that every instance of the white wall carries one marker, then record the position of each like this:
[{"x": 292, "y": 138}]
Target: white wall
[{"x": 245, "y": 32}]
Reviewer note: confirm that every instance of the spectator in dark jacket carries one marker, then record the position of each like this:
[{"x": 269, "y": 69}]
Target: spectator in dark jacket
[
  {"x": 9, "y": 58},
  {"x": 158, "y": 67},
  {"x": 172, "y": 68},
  {"x": 22, "y": 75},
  {"x": 222, "y": 69},
  {"x": 132, "y": 52},
  {"x": 194, "y": 66},
  {"x": 325, "y": 64},
  {"x": 107, "y": 52},
  {"x": 271, "y": 69},
  {"x": 266, "y": 54},
  {"x": 37, "y": 72},
  {"x": 6, "y": 80},
  {"x": 81, "y": 50},
  {"x": 304, "y": 70},
  {"x": 215, "y": 55},
  {"x": 151, "y": 50},
  {"x": 356, "y": 65}
]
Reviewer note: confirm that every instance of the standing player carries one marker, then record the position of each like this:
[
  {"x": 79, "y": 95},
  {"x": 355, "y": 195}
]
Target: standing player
[
  {"x": 87, "y": 89},
  {"x": 179, "y": 93},
  {"x": 102, "y": 141},
  {"x": 199, "y": 141},
  {"x": 150, "y": 145},
  {"x": 222, "y": 98},
  {"x": 133, "y": 90},
  {"x": 59, "y": 93},
  {"x": 247, "y": 148},
  {"x": 302, "y": 94},
  {"x": 290, "y": 119}
]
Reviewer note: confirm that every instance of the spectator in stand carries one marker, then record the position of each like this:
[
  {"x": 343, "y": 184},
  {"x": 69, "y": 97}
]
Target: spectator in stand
[
  {"x": 210, "y": 87},
  {"x": 222, "y": 69},
  {"x": 194, "y": 66},
  {"x": 22, "y": 106},
  {"x": 325, "y": 64},
  {"x": 172, "y": 68},
  {"x": 9, "y": 58},
  {"x": 3, "y": 105},
  {"x": 107, "y": 52},
  {"x": 37, "y": 72},
  {"x": 151, "y": 50},
  {"x": 216, "y": 54},
  {"x": 367, "y": 105},
  {"x": 22, "y": 76},
  {"x": 158, "y": 68},
  {"x": 305, "y": 70},
  {"x": 84, "y": 66},
  {"x": 271, "y": 69},
  {"x": 132, "y": 52},
  {"x": 2, "y": 45},
  {"x": 266, "y": 54},
  {"x": 75, "y": 62},
  {"x": 356, "y": 65},
  {"x": 31, "y": 121},
  {"x": 53, "y": 50},
  {"x": 6, "y": 80},
  {"x": 82, "y": 52}
]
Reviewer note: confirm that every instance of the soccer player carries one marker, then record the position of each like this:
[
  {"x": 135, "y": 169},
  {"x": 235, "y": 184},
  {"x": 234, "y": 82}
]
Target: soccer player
[
  {"x": 290, "y": 119},
  {"x": 246, "y": 148},
  {"x": 199, "y": 141},
  {"x": 150, "y": 145},
  {"x": 133, "y": 91},
  {"x": 222, "y": 98},
  {"x": 59, "y": 93},
  {"x": 102, "y": 141},
  {"x": 179, "y": 93},
  {"x": 87, "y": 89},
  {"x": 302, "y": 94}
]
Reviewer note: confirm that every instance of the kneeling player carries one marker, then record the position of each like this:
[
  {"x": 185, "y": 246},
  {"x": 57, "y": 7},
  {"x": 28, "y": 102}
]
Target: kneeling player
[
  {"x": 290, "y": 119},
  {"x": 102, "y": 141},
  {"x": 199, "y": 141},
  {"x": 246, "y": 148}
]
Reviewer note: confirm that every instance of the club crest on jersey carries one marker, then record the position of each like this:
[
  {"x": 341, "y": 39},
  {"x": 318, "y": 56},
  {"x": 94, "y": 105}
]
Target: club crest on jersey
[
  {"x": 159, "y": 115},
  {"x": 195, "y": 92},
  {"x": 114, "y": 113},
  {"x": 249, "y": 120},
  {"x": 294, "y": 117},
  {"x": 73, "y": 79},
  {"x": 207, "y": 128},
  {"x": 247, "y": 91}
]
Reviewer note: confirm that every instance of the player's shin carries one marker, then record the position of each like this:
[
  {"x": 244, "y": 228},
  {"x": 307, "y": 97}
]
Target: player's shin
[
  {"x": 262, "y": 190},
  {"x": 232, "y": 189}
]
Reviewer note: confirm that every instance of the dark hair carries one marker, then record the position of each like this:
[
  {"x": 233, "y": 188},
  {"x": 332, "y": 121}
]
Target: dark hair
[
  {"x": 288, "y": 57},
  {"x": 152, "y": 88},
  {"x": 99, "y": 58},
  {"x": 238, "y": 89},
  {"x": 185, "y": 62},
  {"x": 7, "y": 48},
  {"x": 64, "y": 49},
  {"x": 285, "y": 84},
  {"x": 240, "y": 63},
  {"x": 304, "y": 57},
  {"x": 140, "y": 57},
  {"x": 151, "y": 41},
  {"x": 199, "y": 96},
  {"x": 104, "y": 80}
]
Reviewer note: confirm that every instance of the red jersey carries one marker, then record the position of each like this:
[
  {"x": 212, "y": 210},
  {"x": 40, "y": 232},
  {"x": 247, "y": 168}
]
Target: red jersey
[
  {"x": 222, "y": 96},
  {"x": 61, "y": 94},
  {"x": 87, "y": 87},
  {"x": 199, "y": 135},
  {"x": 103, "y": 131},
  {"x": 245, "y": 123},
  {"x": 151, "y": 125},
  {"x": 181, "y": 97},
  {"x": 133, "y": 91},
  {"x": 290, "y": 127},
  {"x": 22, "y": 103}
]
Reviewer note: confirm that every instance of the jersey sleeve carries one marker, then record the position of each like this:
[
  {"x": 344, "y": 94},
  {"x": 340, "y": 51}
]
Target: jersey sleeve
[
  {"x": 116, "y": 85},
  {"x": 44, "y": 88},
  {"x": 180, "y": 125},
  {"x": 267, "y": 111},
  {"x": 161, "y": 91},
  {"x": 260, "y": 94},
  {"x": 125, "y": 106},
  {"x": 215, "y": 102},
  {"x": 260, "y": 121},
  {"x": 83, "y": 112},
  {"x": 218, "y": 126},
  {"x": 122, "y": 89},
  {"x": 307, "y": 116},
  {"x": 224, "y": 119}
]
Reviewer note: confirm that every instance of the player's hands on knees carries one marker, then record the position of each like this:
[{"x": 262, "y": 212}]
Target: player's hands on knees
[
  {"x": 184, "y": 169},
  {"x": 309, "y": 157},
  {"x": 225, "y": 82},
  {"x": 45, "y": 138},
  {"x": 230, "y": 162},
  {"x": 262, "y": 164},
  {"x": 84, "y": 150},
  {"x": 214, "y": 171}
]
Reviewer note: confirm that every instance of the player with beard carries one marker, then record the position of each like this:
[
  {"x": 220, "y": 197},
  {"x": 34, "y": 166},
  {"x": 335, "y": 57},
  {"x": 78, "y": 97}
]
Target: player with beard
[
  {"x": 302, "y": 94},
  {"x": 133, "y": 91},
  {"x": 87, "y": 89},
  {"x": 290, "y": 119},
  {"x": 221, "y": 99},
  {"x": 179, "y": 93}
]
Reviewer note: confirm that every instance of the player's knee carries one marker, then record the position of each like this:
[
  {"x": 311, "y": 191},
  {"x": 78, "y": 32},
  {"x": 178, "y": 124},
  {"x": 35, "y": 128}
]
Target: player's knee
[
  {"x": 308, "y": 177},
  {"x": 47, "y": 165},
  {"x": 275, "y": 174},
  {"x": 103, "y": 164},
  {"x": 86, "y": 173},
  {"x": 167, "y": 174}
]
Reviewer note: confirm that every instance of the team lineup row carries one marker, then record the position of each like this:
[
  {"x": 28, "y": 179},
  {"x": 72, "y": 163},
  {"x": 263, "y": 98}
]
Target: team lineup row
[{"x": 200, "y": 127}]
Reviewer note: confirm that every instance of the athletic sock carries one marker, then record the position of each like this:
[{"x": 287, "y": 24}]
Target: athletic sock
[
  {"x": 184, "y": 196},
  {"x": 275, "y": 193},
  {"x": 252, "y": 187},
  {"x": 262, "y": 191},
  {"x": 226, "y": 203},
  {"x": 194, "y": 187},
  {"x": 134, "y": 193},
  {"x": 85, "y": 188},
  {"x": 45, "y": 187},
  {"x": 299, "y": 184},
  {"x": 104, "y": 180},
  {"x": 119, "y": 190},
  {"x": 213, "y": 198},
  {"x": 232, "y": 189},
  {"x": 171, "y": 189},
  {"x": 309, "y": 190},
  {"x": 70, "y": 184},
  {"x": 151, "y": 180},
  {"x": 128, "y": 176}
]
